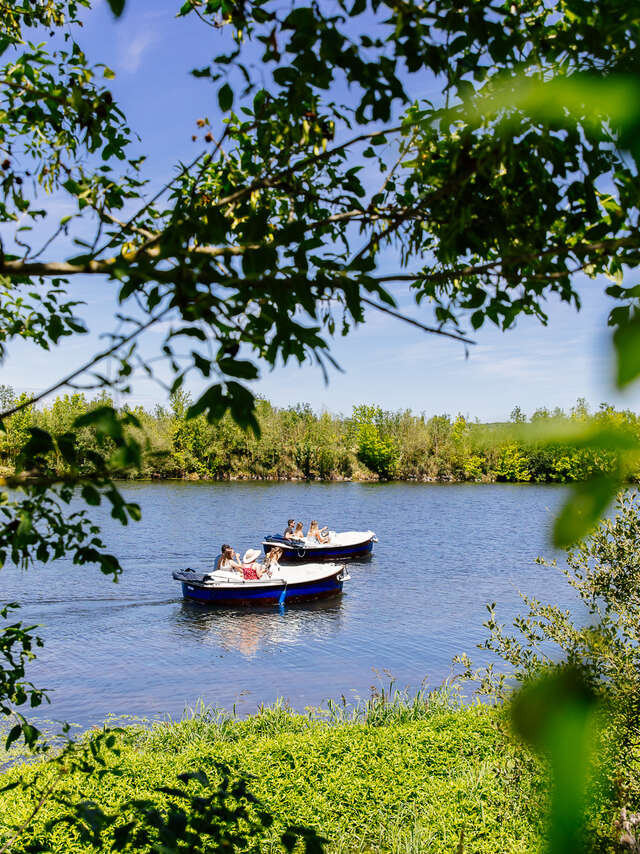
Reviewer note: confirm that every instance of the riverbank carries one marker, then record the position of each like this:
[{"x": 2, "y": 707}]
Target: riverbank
[
  {"x": 296, "y": 443},
  {"x": 405, "y": 775}
]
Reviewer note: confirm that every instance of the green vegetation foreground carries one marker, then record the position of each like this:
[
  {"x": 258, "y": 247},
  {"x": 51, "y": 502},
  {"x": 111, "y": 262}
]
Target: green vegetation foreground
[{"x": 404, "y": 776}]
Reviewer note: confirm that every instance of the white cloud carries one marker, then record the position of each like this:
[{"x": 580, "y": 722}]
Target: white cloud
[
  {"x": 132, "y": 54},
  {"x": 145, "y": 31}
]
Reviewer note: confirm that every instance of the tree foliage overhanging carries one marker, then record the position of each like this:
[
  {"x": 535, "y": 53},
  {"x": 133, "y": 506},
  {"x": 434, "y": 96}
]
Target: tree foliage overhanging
[
  {"x": 327, "y": 168},
  {"x": 486, "y": 201}
]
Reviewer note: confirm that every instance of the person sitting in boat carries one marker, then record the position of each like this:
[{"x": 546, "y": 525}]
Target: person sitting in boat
[
  {"x": 228, "y": 559},
  {"x": 271, "y": 564},
  {"x": 288, "y": 534},
  {"x": 251, "y": 570},
  {"x": 298, "y": 533},
  {"x": 316, "y": 533}
]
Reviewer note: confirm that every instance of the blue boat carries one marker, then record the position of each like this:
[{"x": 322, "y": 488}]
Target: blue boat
[
  {"x": 288, "y": 584},
  {"x": 349, "y": 544}
]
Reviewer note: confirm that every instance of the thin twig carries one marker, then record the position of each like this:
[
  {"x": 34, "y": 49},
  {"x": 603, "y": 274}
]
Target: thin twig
[
  {"x": 403, "y": 151},
  {"x": 434, "y": 330},
  {"x": 56, "y": 233},
  {"x": 70, "y": 377},
  {"x": 143, "y": 232}
]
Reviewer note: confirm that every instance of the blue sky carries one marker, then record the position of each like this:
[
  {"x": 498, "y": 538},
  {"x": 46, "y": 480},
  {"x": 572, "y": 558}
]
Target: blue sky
[{"x": 384, "y": 361}]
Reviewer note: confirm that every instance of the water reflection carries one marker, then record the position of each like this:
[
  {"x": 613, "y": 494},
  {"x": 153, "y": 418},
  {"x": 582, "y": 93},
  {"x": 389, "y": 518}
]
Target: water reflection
[{"x": 249, "y": 631}]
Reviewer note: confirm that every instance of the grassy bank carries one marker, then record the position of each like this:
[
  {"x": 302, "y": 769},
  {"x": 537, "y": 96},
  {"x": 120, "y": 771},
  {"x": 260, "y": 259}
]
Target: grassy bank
[{"x": 400, "y": 777}]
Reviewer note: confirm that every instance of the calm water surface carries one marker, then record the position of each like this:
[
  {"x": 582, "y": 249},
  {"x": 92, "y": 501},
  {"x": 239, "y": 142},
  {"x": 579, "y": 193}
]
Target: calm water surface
[{"x": 137, "y": 648}]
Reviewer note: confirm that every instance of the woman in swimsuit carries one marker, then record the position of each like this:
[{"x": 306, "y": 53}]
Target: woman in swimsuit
[
  {"x": 226, "y": 560},
  {"x": 315, "y": 534},
  {"x": 298, "y": 534}
]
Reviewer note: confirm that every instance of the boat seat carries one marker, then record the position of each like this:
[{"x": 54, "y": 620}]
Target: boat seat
[{"x": 224, "y": 575}]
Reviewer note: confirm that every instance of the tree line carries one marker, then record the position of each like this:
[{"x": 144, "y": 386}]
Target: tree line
[{"x": 297, "y": 443}]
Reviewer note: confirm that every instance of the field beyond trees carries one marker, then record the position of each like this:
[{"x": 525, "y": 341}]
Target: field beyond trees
[{"x": 298, "y": 443}]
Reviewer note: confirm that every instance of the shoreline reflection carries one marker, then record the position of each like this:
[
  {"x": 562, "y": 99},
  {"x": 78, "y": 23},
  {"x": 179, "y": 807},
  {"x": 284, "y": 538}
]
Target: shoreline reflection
[{"x": 249, "y": 630}]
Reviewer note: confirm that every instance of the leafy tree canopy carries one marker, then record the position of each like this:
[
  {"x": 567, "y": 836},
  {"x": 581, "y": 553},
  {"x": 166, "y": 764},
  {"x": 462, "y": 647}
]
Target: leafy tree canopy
[{"x": 522, "y": 173}]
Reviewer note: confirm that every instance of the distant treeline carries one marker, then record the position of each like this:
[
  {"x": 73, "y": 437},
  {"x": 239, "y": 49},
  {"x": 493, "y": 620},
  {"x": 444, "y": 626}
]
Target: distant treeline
[{"x": 371, "y": 443}]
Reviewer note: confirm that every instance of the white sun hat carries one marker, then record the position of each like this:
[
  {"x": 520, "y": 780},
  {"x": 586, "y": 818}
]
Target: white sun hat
[{"x": 250, "y": 555}]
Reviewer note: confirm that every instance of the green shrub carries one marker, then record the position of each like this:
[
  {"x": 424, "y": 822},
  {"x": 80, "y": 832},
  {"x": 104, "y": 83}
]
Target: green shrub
[{"x": 395, "y": 771}]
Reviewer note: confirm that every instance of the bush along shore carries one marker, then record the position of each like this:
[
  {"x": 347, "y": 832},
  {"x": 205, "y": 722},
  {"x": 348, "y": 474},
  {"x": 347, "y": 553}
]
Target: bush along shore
[
  {"x": 370, "y": 444},
  {"x": 397, "y": 773}
]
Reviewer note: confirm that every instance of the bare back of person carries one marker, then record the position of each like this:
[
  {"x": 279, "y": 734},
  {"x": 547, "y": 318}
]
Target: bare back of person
[{"x": 229, "y": 560}]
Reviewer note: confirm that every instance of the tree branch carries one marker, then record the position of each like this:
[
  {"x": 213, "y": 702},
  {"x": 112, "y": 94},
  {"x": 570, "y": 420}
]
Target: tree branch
[
  {"x": 169, "y": 275},
  {"x": 87, "y": 365},
  {"x": 434, "y": 330},
  {"x": 301, "y": 164}
]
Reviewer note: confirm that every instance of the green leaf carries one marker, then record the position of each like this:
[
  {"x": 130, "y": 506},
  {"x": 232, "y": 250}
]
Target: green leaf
[
  {"x": 72, "y": 187},
  {"x": 116, "y": 6},
  {"x": 203, "y": 365},
  {"x": 626, "y": 340},
  {"x": 225, "y": 97},
  {"x": 40, "y": 442},
  {"x": 66, "y": 443},
  {"x": 128, "y": 454},
  {"x": 131, "y": 420},
  {"x": 242, "y": 404},
  {"x": 14, "y": 735},
  {"x": 91, "y": 494},
  {"x": 29, "y": 733},
  {"x": 584, "y": 507},
  {"x": 477, "y": 319},
  {"x": 241, "y": 369},
  {"x": 105, "y": 421},
  {"x": 556, "y": 715},
  {"x": 213, "y": 402}
]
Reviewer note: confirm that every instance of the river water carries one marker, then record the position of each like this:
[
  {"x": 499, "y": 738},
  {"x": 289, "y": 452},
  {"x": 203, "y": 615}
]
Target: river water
[{"x": 137, "y": 648}]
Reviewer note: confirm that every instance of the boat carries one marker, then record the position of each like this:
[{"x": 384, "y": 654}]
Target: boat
[
  {"x": 287, "y": 584},
  {"x": 348, "y": 544}
]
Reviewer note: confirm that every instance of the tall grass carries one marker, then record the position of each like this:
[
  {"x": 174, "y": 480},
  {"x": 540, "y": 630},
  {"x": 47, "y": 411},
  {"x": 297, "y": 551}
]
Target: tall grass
[
  {"x": 384, "y": 707},
  {"x": 394, "y": 705},
  {"x": 398, "y": 772}
]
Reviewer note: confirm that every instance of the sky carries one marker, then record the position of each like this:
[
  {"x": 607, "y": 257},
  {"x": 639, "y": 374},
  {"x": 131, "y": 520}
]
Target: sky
[{"x": 384, "y": 361}]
